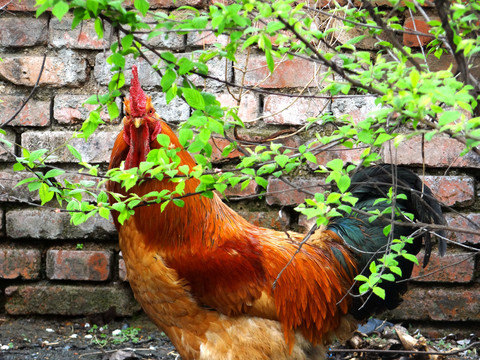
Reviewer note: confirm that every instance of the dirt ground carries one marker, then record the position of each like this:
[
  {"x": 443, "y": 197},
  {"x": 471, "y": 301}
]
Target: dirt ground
[
  {"x": 138, "y": 338},
  {"x": 46, "y": 339}
]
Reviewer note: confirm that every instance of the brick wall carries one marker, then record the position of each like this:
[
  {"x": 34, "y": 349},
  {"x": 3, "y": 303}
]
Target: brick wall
[{"x": 42, "y": 269}]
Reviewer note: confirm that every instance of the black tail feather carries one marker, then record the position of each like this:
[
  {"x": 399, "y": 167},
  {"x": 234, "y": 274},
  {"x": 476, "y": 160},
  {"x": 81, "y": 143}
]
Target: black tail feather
[{"x": 368, "y": 185}]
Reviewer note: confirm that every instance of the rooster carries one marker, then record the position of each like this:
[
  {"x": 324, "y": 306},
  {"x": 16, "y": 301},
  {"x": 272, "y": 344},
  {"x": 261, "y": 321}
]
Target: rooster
[{"x": 205, "y": 276}]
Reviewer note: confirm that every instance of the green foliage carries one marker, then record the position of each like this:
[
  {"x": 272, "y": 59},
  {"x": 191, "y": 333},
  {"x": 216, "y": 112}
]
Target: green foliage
[{"x": 409, "y": 95}]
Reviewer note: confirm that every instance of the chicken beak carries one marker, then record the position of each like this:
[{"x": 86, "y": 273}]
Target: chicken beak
[{"x": 137, "y": 122}]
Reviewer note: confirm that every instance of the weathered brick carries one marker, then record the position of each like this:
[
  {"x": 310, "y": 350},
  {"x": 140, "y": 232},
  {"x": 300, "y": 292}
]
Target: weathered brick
[
  {"x": 357, "y": 107},
  {"x": 69, "y": 300},
  {"x": 23, "y": 31},
  {"x": 177, "y": 110},
  {"x": 453, "y": 267},
  {"x": 35, "y": 112},
  {"x": 79, "y": 265},
  {"x": 469, "y": 222},
  {"x": 2, "y": 231},
  {"x": 288, "y": 74},
  {"x": 248, "y": 108},
  {"x": 439, "y": 304},
  {"x": 122, "y": 270},
  {"x": 280, "y": 193},
  {"x": 217, "y": 68},
  {"x": 452, "y": 190},
  {"x": 147, "y": 76},
  {"x": 70, "y": 109},
  {"x": 282, "y": 110},
  {"x": 266, "y": 219},
  {"x": 439, "y": 152},
  {"x": 417, "y": 23},
  {"x": 18, "y": 5},
  {"x": 218, "y": 144},
  {"x": 20, "y": 263},
  {"x": 163, "y": 40},
  {"x": 68, "y": 69},
  {"x": 82, "y": 37},
  {"x": 44, "y": 224},
  {"x": 6, "y": 154},
  {"x": 9, "y": 190},
  {"x": 205, "y": 38},
  {"x": 96, "y": 150}
]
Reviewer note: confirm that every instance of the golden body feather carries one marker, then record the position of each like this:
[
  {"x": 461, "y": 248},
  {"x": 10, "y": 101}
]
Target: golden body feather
[{"x": 205, "y": 275}]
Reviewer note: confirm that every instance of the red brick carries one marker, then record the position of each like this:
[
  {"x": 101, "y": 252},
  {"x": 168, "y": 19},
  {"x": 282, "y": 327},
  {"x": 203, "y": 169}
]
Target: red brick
[
  {"x": 281, "y": 110},
  {"x": 79, "y": 265},
  {"x": 70, "y": 109},
  {"x": 35, "y": 112},
  {"x": 218, "y": 144},
  {"x": 472, "y": 223},
  {"x": 248, "y": 109},
  {"x": 18, "y": 5},
  {"x": 338, "y": 152},
  {"x": 20, "y": 263},
  {"x": 23, "y": 31},
  {"x": 439, "y": 304},
  {"x": 288, "y": 73},
  {"x": 419, "y": 24},
  {"x": 280, "y": 193},
  {"x": 69, "y": 300},
  {"x": 266, "y": 219},
  {"x": 452, "y": 190},
  {"x": 446, "y": 268},
  {"x": 251, "y": 189},
  {"x": 439, "y": 152},
  {"x": 67, "y": 70},
  {"x": 82, "y": 37}
]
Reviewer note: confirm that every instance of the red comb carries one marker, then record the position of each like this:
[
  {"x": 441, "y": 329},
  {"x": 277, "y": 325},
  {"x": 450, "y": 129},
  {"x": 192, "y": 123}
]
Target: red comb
[{"x": 138, "y": 99}]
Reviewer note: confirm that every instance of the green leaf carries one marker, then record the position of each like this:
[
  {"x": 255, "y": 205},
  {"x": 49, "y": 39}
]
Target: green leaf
[
  {"x": 261, "y": 181},
  {"x": 45, "y": 194},
  {"x": 104, "y": 212},
  {"x": 99, "y": 27},
  {"x": 193, "y": 98},
  {"x": 142, "y": 6},
  {"x": 410, "y": 257},
  {"x": 388, "y": 277},
  {"x": 74, "y": 152},
  {"x": 127, "y": 41},
  {"x": 60, "y": 9},
  {"x": 113, "y": 110},
  {"x": 179, "y": 202},
  {"x": 168, "y": 79},
  {"x": 53, "y": 173},
  {"x": 379, "y": 292},
  {"x": 281, "y": 160},
  {"x": 343, "y": 183},
  {"x": 163, "y": 140}
]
